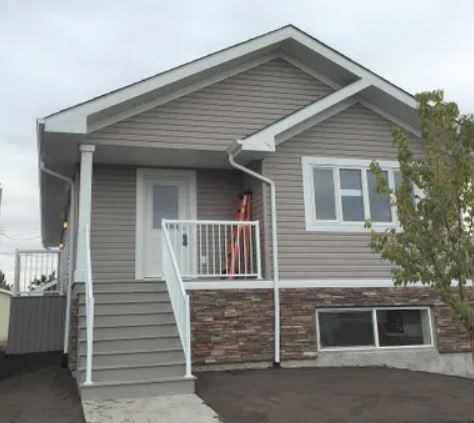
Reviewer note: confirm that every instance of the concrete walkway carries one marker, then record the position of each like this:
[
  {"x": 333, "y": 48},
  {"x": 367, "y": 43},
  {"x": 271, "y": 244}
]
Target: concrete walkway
[{"x": 170, "y": 409}]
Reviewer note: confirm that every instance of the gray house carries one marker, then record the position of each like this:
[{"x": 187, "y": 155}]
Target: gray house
[{"x": 211, "y": 216}]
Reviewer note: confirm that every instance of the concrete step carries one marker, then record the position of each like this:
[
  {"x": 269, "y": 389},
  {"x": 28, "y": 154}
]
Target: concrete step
[
  {"x": 133, "y": 319},
  {"x": 143, "y": 329},
  {"x": 137, "y": 389},
  {"x": 125, "y": 286},
  {"x": 135, "y": 357},
  {"x": 117, "y": 296},
  {"x": 123, "y": 307},
  {"x": 135, "y": 372},
  {"x": 131, "y": 343}
]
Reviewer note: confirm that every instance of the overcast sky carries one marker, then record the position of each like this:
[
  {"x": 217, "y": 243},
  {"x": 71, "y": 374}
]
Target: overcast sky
[{"x": 54, "y": 54}]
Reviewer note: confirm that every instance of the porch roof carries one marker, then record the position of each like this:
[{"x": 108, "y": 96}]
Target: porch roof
[{"x": 63, "y": 157}]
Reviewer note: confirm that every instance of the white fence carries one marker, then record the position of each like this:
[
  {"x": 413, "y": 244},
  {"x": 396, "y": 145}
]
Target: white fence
[
  {"x": 216, "y": 249},
  {"x": 36, "y": 272}
]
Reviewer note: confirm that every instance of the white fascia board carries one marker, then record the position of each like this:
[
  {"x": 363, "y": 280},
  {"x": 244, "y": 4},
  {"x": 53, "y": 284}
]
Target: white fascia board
[
  {"x": 265, "y": 138},
  {"x": 74, "y": 119},
  {"x": 315, "y": 120},
  {"x": 353, "y": 67}
]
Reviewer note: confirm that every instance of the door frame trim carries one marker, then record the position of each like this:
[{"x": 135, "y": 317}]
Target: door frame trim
[{"x": 188, "y": 175}]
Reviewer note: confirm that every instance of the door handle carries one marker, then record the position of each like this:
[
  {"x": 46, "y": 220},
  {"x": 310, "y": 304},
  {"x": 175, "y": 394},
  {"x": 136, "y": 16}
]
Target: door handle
[{"x": 185, "y": 240}]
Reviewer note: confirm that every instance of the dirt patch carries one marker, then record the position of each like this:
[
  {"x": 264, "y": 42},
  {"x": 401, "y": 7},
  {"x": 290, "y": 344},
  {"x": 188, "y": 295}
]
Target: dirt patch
[
  {"x": 35, "y": 389},
  {"x": 336, "y": 395}
]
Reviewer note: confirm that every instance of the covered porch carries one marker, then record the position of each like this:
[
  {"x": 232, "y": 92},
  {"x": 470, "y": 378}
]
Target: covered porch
[{"x": 144, "y": 214}]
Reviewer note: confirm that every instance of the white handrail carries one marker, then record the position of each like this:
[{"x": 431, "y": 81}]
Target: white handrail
[
  {"x": 89, "y": 289},
  {"x": 179, "y": 297}
]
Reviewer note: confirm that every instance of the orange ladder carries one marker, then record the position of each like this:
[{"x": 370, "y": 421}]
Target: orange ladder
[{"x": 233, "y": 253}]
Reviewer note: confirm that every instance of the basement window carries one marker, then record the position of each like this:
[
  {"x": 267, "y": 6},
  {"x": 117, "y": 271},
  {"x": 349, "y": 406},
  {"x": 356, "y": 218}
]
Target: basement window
[{"x": 373, "y": 328}]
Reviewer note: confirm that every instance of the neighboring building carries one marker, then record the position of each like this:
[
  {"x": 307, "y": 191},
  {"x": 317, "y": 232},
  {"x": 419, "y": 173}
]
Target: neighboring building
[
  {"x": 306, "y": 290},
  {"x": 5, "y": 297}
]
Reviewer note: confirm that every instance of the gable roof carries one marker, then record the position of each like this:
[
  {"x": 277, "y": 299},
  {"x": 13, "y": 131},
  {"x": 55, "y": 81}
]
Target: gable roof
[
  {"x": 332, "y": 66},
  {"x": 60, "y": 133}
]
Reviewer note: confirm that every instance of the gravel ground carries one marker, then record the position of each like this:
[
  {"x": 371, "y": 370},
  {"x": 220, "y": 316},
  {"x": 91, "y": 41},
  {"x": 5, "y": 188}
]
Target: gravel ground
[{"x": 337, "y": 395}]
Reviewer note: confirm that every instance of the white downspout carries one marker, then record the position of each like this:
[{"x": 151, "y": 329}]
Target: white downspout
[
  {"x": 276, "y": 275},
  {"x": 71, "y": 249}
]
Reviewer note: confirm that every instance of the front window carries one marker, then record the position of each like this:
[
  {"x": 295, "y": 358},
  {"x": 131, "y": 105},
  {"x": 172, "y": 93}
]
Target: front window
[
  {"x": 373, "y": 328},
  {"x": 340, "y": 194}
]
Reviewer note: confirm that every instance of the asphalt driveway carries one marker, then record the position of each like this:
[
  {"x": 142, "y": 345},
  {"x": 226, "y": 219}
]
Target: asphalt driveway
[{"x": 337, "y": 395}]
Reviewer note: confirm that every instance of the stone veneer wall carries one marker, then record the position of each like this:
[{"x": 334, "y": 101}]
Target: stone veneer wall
[
  {"x": 232, "y": 326},
  {"x": 235, "y": 326},
  {"x": 298, "y": 322}
]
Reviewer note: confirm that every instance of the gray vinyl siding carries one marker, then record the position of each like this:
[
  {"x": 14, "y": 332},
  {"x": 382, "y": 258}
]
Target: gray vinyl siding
[
  {"x": 354, "y": 133},
  {"x": 217, "y": 193},
  {"x": 36, "y": 324},
  {"x": 114, "y": 214},
  {"x": 213, "y": 117},
  {"x": 113, "y": 223}
]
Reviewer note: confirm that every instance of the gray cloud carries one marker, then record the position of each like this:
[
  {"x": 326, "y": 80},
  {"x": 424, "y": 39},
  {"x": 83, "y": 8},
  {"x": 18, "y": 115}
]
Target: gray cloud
[{"x": 55, "y": 54}]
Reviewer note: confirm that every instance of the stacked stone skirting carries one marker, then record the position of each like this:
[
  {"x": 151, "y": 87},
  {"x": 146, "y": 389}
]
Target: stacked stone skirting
[
  {"x": 232, "y": 326},
  {"x": 236, "y": 326}
]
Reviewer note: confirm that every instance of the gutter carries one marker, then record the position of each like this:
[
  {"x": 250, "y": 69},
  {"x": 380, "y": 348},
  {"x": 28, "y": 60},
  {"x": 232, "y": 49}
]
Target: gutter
[
  {"x": 69, "y": 181},
  {"x": 231, "y": 153}
]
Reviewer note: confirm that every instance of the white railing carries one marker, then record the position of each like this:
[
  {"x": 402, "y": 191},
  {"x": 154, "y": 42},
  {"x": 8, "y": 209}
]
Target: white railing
[
  {"x": 36, "y": 272},
  {"x": 216, "y": 249},
  {"x": 89, "y": 291},
  {"x": 177, "y": 292}
]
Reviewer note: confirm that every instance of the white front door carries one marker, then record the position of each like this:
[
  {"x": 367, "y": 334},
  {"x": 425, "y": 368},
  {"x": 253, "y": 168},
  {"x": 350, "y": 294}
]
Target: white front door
[{"x": 162, "y": 194}]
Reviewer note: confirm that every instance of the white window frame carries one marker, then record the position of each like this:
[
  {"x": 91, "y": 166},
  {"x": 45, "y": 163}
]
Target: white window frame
[
  {"x": 377, "y": 345},
  {"x": 338, "y": 224}
]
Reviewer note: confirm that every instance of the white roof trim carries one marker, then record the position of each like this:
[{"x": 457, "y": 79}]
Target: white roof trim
[
  {"x": 74, "y": 119},
  {"x": 264, "y": 140}
]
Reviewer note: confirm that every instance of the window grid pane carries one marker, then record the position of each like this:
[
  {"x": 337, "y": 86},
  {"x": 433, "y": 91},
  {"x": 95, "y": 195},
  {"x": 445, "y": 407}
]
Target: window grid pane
[
  {"x": 401, "y": 327},
  {"x": 380, "y": 209},
  {"x": 165, "y": 204},
  {"x": 346, "y": 329},
  {"x": 351, "y": 195},
  {"x": 324, "y": 195}
]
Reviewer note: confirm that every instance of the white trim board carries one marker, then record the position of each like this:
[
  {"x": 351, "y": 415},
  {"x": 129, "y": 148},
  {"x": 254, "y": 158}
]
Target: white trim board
[
  {"x": 225, "y": 285},
  {"x": 341, "y": 283},
  {"x": 296, "y": 284}
]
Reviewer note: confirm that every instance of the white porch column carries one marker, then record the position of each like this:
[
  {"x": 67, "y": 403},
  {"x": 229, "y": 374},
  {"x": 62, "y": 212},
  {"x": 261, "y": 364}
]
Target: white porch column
[{"x": 85, "y": 208}]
